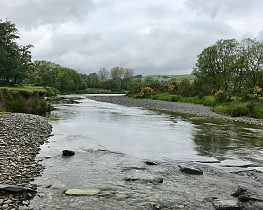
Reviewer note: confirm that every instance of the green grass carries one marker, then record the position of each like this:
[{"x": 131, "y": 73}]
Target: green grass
[
  {"x": 162, "y": 97},
  {"x": 238, "y": 108},
  {"x": 26, "y": 88}
]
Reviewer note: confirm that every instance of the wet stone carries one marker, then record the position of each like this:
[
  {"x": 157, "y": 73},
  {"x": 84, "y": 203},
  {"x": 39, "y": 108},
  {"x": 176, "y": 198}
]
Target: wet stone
[
  {"x": 68, "y": 153},
  {"x": 151, "y": 163},
  {"x": 190, "y": 170},
  {"x": 226, "y": 204},
  {"x": 157, "y": 180}
]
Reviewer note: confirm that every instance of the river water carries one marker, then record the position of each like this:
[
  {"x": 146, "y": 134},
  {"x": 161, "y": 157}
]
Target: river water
[{"x": 112, "y": 142}]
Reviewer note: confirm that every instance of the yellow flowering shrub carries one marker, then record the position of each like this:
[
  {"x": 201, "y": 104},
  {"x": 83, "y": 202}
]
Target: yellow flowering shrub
[{"x": 145, "y": 92}]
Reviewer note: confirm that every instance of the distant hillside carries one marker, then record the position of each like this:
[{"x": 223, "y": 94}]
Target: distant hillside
[{"x": 165, "y": 78}]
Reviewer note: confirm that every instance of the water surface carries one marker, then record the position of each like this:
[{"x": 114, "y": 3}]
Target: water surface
[{"x": 109, "y": 138}]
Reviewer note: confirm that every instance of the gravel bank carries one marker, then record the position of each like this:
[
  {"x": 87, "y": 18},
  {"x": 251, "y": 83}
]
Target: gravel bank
[
  {"x": 20, "y": 138},
  {"x": 177, "y": 107}
]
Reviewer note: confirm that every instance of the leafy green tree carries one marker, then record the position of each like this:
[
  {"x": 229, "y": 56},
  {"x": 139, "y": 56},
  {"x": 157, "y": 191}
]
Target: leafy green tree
[
  {"x": 185, "y": 88},
  {"x": 216, "y": 64},
  {"x": 253, "y": 61},
  {"x": 93, "y": 80},
  {"x": 15, "y": 60}
]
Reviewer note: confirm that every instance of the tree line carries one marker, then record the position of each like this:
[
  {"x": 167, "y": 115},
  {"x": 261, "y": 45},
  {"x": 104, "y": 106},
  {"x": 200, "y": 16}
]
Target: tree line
[
  {"x": 230, "y": 66},
  {"x": 16, "y": 67}
]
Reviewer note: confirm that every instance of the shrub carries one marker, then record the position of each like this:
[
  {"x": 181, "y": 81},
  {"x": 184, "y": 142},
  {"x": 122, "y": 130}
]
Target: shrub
[
  {"x": 232, "y": 109},
  {"x": 208, "y": 101},
  {"x": 17, "y": 104},
  {"x": 146, "y": 92},
  {"x": 176, "y": 98},
  {"x": 221, "y": 96}
]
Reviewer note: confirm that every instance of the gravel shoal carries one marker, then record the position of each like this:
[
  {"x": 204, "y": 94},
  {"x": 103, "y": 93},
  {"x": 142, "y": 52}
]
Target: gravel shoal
[
  {"x": 177, "y": 107},
  {"x": 20, "y": 138}
]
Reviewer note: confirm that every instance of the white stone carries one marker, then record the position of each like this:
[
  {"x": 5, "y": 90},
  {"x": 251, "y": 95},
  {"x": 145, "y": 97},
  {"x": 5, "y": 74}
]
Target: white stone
[{"x": 82, "y": 192}]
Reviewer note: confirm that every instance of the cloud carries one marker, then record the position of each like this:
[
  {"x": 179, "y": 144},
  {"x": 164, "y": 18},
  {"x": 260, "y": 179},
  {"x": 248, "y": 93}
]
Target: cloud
[
  {"x": 33, "y": 13},
  {"x": 152, "y": 37}
]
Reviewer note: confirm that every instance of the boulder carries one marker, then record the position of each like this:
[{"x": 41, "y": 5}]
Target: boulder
[
  {"x": 68, "y": 153},
  {"x": 190, "y": 170}
]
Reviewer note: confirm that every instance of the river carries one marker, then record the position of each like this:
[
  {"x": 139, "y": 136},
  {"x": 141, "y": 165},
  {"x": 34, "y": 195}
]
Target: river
[{"x": 112, "y": 143}]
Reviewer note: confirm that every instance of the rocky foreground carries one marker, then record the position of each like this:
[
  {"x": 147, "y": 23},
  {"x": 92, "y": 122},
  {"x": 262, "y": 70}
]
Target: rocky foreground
[
  {"x": 177, "y": 107},
  {"x": 20, "y": 138}
]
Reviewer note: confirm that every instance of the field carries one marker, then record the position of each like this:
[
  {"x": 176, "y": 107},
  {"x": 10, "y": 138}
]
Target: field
[{"x": 165, "y": 78}]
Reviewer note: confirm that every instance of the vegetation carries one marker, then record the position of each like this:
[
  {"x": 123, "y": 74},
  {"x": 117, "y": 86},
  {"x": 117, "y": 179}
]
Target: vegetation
[
  {"x": 17, "y": 100},
  {"x": 228, "y": 76},
  {"x": 15, "y": 60}
]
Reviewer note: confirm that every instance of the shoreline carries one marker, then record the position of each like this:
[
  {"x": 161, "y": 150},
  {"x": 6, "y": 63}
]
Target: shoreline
[
  {"x": 21, "y": 136},
  {"x": 175, "y": 107}
]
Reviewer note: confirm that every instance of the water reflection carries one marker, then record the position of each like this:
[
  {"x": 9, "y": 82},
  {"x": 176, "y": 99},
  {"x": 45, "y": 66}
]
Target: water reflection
[
  {"x": 224, "y": 140},
  {"x": 147, "y": 134}
]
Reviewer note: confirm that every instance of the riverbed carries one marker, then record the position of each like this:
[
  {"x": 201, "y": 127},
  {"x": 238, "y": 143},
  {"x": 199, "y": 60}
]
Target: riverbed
[{"x": 112, "y": 143}]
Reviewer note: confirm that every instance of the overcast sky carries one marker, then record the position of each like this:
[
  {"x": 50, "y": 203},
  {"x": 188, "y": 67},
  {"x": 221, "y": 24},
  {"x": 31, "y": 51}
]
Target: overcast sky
[{"x": 150, "y": 36}]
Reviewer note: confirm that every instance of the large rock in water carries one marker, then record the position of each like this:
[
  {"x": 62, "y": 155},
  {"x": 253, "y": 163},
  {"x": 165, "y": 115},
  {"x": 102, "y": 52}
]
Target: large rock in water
[
  {"x": 190, "y": 170},
  {"x": 79, "y": 192},
  {"x": 68, "y": 153}
]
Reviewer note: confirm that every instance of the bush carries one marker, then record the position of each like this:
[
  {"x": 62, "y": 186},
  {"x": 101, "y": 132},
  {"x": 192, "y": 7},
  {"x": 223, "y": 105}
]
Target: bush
[
  {"x": 176, "y": 98},
  {"x": 208, "y": 101},
  {"x": 17, "y": 104},
  {"x": 146, "y": 92},
  {"x": 233, "y": 109},
  {"x": 221, "y": 96},
  {"x": 41, "y": 107}
]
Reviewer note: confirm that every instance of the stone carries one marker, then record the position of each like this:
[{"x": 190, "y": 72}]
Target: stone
[
  {"x": 79, "y": 192},
  {"x": 157, "y": 180},
  {"x": 14, "y": 189},
  {"x": 190, "y": 170},
  {"x": 128, "y": 179},
  {"x": 226, "y": 204},
  {"x": 120, "y": 196},
  {"x": 151, "y": 163},
  {"x": 68, "y": 153}
]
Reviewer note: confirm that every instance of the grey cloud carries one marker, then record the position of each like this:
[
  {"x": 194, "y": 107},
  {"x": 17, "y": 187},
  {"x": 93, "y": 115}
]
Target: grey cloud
[
  {"x": 154, "y": 36},
  {"x": 32, "y": 13},
  {"x": 227, "y": 8}
]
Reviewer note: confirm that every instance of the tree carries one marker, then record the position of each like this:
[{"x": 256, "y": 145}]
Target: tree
[
  {"x": 216, "y": 64},
  {"x": 116, "y": 73},
  {"x": 127, "y": 78},
  {"x": 103, "y": 74},
  {"x": 253, "y": 61},
  {"x": 93, "y": 80},
  {"x": 15, "y": 60}
]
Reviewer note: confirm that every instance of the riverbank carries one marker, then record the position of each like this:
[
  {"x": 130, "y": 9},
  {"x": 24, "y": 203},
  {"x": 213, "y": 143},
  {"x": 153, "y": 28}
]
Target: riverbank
[
  {"x": 20, "y": 138},
  {"x": 176, "y": 107}
]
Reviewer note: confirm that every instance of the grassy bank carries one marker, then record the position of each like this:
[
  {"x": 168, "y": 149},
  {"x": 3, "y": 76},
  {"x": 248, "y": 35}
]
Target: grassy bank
[
  {"x": 27, "y": 99},
  {"x": 235, "y": 107}
]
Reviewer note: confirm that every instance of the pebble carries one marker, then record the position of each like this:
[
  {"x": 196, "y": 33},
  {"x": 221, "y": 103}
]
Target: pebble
[
  {"x": 178, "y": 107},
  {"x": 20, "y": 138}
]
